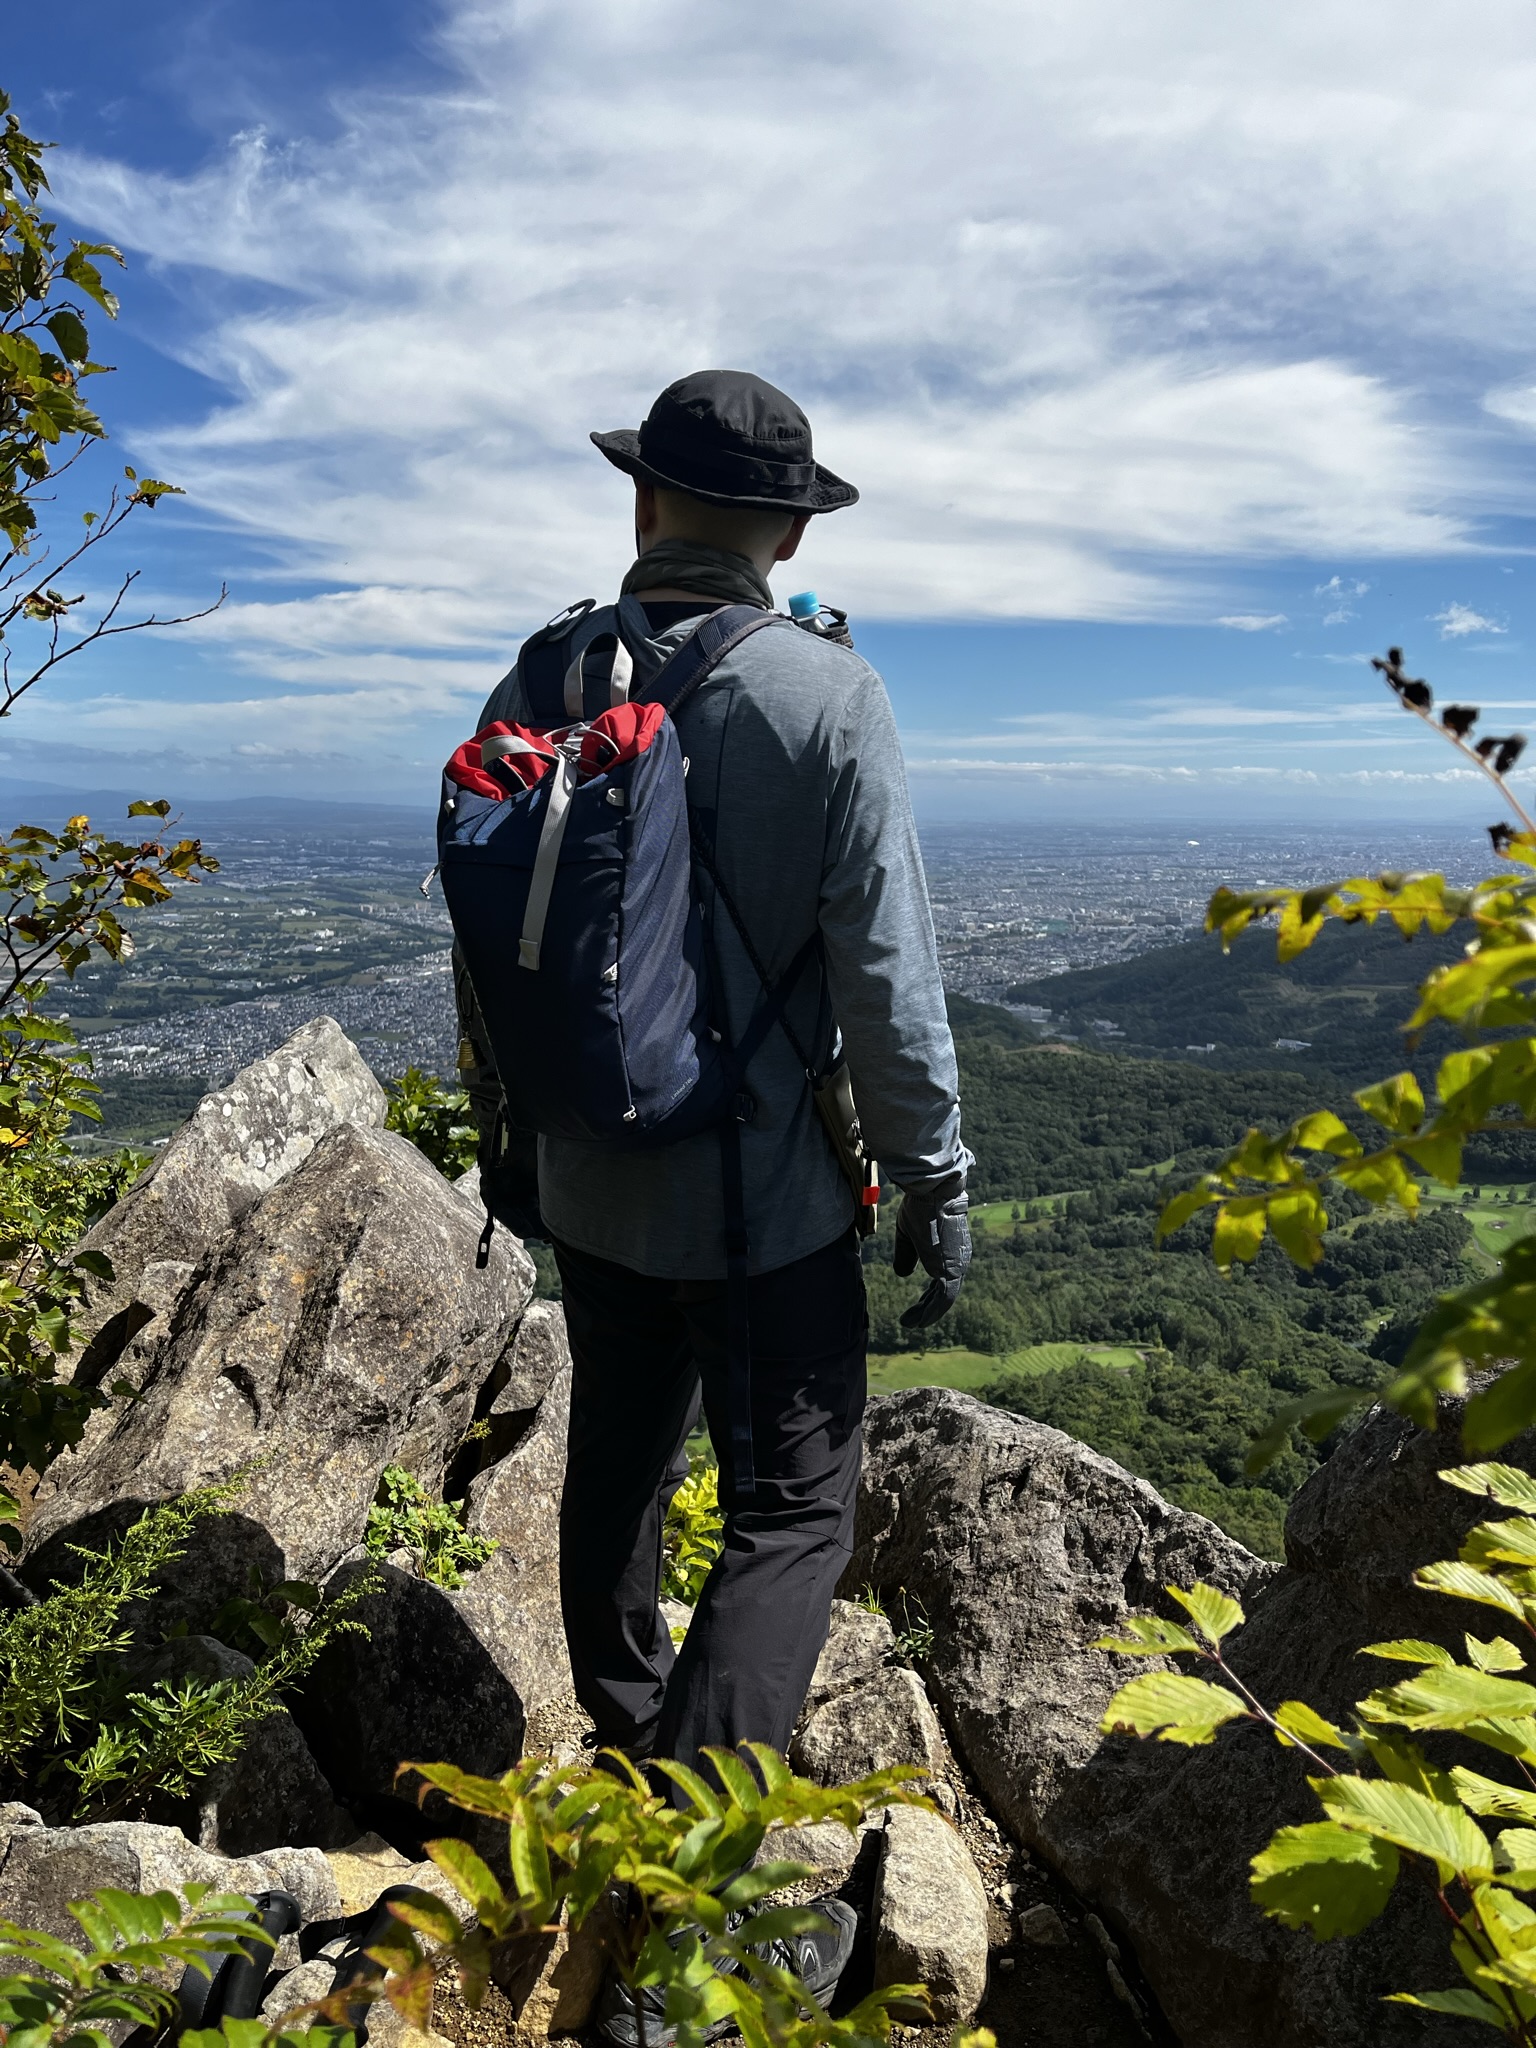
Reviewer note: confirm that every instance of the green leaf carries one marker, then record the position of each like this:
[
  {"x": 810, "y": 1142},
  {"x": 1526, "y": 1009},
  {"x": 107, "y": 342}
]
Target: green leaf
[
  {"x": 469, "y": 1874},
  {"x": 1328, "y": 1879},
  {"x": 1510, "y": 1541},
  {"x": 1173, "y": 1706},
  {"x": 1459, "y": 2004},
  {"x": 1493, "y": 1797},
  {"x": 1408, "y": 1650},
  {"x": 1308, "y": 1726},
  {"x": 1148, "y": 1635},
  {"x": 1239, "y": 1230},
  {"x": 1506, "y": 1484},
  {"x": 1213, "y": 1612},
  {"x": 1516, "y": 1848},
  {"x": 1398, "y": 1103},
  {"x": 1499, "y": 1654},
  {"x": 1463, "y": 1582},
  {"x": 1409, "y": 1819},
  {"x": 1449, "y": 1696}
]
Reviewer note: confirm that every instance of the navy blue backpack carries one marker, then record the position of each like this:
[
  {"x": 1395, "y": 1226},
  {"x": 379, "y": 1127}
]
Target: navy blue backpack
[{"x": 567, "y": 853}]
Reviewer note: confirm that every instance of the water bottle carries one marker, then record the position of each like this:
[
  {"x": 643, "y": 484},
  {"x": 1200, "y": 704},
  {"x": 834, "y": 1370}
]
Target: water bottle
[{"x": 826, "y": 621}]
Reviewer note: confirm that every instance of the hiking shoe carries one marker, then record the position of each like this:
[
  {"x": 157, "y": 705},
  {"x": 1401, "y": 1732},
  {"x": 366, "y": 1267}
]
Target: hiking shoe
[{"x": 818, "y": 1958}]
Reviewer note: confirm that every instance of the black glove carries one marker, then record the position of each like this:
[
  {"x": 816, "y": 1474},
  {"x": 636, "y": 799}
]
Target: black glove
[{"x": 935, "y": 1231}]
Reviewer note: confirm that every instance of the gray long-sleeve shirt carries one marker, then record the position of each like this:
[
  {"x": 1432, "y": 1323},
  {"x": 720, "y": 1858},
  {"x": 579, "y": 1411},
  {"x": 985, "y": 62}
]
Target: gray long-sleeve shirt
[{"x": 796, "y": 775}]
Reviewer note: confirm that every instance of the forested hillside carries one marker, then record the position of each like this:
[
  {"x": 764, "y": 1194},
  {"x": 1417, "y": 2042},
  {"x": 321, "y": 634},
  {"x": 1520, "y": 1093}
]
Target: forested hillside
[
  {"x": 1112, "y": 1134},
  {"x": 1347, "y": 996}
]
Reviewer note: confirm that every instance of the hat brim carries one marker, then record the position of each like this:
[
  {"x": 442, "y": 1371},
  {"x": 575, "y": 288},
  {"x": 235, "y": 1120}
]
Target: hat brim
[{"x": 827, "y": 493}]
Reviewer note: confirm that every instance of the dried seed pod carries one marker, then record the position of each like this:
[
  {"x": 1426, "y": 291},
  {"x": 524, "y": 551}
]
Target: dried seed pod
[
  {"x": 1509, "y": 753},
  {"x": 1459, "y": 719}
]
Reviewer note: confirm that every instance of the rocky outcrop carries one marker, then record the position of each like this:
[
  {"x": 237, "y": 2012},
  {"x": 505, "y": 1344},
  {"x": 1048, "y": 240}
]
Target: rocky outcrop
[
  {"x": 1023, "y": 1547},
  {"x": 42, "y": 1869},
  {"x": 865, "y": 1710},
  {"x": 239, "y": 1142},
  {"x": 513, "y": 1601},
  {"x": 930, "y": 1914},
  {"x": 339, "y": 1325},
  {"x": 420, "y": 1687}
]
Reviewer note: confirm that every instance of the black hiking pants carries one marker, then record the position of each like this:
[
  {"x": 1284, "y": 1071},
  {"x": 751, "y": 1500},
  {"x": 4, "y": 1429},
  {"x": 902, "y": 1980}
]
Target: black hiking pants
[{"x": 642, "y": 1347}]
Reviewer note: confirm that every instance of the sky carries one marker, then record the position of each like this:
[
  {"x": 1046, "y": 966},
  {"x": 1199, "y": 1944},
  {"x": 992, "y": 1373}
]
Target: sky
[{"x": 1182, "y": 356}]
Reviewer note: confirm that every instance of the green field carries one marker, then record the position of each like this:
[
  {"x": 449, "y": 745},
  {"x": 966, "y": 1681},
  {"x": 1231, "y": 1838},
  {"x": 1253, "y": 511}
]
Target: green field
[
  {"x": 1497, "y": 1219},
  {"x": 972, "y": 1370}
]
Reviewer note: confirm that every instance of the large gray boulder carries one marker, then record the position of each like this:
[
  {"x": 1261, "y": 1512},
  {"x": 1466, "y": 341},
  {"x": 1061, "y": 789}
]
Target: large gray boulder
[
  {"x": 420, "y": 1687},
  {"x": 339, "y": 1325},
  {"x": 239, "y": 1142},
  {"x": 42, "y": 1869},
  {"x": 1024, "y": 1546}
]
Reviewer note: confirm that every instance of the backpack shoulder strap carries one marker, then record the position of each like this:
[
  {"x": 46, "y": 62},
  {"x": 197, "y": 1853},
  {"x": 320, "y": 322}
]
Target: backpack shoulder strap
[{"x": 707, "y": 645}]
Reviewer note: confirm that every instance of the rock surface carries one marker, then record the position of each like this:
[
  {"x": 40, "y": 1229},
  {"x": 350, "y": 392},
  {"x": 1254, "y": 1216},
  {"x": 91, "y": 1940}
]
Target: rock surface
[
  {"x": 420, "y": 1687},
  {"x": 513, "y": 1601},
  {"x": 239, "y": 1142},
  {"x": 1024, "y": 1546},
  {"x": 865, "y": 1710},
  {"x": 340, "y": 1325},
  {"x": 43, "y": 1869},
  {"x": 930, "y": 1914}
]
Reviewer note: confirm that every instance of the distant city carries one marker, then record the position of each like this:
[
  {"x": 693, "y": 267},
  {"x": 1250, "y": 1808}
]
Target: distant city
[{"x": 322, "y": 912}]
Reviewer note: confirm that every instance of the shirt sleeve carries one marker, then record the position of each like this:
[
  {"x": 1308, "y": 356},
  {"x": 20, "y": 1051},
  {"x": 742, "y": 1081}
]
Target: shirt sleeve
[{"x": 881, "y": 960}]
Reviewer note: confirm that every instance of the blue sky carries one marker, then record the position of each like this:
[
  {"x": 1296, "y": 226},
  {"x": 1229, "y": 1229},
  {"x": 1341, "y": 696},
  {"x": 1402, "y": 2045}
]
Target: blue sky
[{"x": 1182, "y": 354}]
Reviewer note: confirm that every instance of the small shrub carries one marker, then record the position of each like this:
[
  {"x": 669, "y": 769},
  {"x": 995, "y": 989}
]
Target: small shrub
[
  {"x": 435, "y": 1116},
  {"x": 691, "y": 1540},
  {"x": 1387, "y": 1808},
  {"x": 404, "y": 1516},
  {"x": 67, "y": 1712},
  {"x": 577, "y": 1832}
]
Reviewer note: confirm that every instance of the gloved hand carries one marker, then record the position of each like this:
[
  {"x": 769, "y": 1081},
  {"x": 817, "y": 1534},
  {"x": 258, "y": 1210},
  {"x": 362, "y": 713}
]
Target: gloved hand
[{"x": 933, "y": 1230}]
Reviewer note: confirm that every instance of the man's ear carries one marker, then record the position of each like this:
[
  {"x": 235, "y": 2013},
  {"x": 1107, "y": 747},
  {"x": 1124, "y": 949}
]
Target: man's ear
[
  {"x": 791, "y": 541},
  {"x": 645, "y": 514}
]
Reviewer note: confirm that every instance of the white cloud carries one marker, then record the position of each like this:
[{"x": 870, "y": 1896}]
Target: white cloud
[
  {"x": 1253, "y": 622},
  {"x": 1458, "y": 620},
  {"x": 1049, "y": 279},
  {"x": 1341, "y": 587}
]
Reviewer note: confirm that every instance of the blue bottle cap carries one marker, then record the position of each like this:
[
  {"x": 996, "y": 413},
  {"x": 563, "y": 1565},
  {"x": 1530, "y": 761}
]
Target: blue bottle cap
[{"x": 805, "y": 605}]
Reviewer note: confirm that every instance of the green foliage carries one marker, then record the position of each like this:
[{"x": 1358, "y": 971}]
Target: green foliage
[
  {"x": 1218, "y": 1353},
  {"x": 1385, "y": 1805},
  {"x": 79, "y": 1993},
  {"x": 1277, "y": 1185},
  {"x": 69, "y": 1713},
  {"x": 436, "y": 1118},
  {"x": 63, "y": 896},
  {"x": 691, "y": 1535},
  {"x": 404, "y": 1516},
  {"x": 576, "y": 1832}
]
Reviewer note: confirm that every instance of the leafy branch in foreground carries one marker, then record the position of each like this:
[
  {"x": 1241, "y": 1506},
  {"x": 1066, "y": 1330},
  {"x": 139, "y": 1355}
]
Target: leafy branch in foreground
[
  {"x": 54, "y": 1991},
  {"x": 691, "y": 1533},
  {"x": 699, "y": 1917},
  {"x": 435, "y": 1116},
  {"x": 1388, "y": 1809},
  {"x": 1277, "y": 1185}
]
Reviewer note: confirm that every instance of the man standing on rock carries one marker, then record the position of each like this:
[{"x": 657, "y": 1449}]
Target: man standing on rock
[{"x": 795, "y": 776}]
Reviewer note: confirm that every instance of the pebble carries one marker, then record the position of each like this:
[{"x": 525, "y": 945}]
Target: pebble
[
  {"x": 1042, "y": 1927},
  {"x": 1102, "y": 1936}
]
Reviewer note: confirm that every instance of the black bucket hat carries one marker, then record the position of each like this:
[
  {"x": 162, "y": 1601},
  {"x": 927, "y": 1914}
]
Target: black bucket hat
[{"x": 731, "y": 439}]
